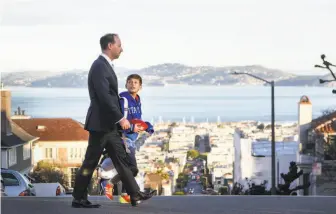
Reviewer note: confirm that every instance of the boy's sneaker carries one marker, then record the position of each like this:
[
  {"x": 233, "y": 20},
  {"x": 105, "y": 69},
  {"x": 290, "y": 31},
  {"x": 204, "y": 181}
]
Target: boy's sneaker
[
  {"x": 108, "y": 189},
  {"x": 124, "y": 198}
]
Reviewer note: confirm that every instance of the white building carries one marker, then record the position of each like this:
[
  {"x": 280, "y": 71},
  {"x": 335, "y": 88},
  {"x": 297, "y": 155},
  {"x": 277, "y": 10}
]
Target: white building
[
  {"x": 253, "y": 159},
  {"x": 182, "y": 138}
]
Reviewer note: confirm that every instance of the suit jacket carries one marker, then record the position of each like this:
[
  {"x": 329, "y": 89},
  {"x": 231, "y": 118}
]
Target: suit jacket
[{"x": 105, "y": 110}]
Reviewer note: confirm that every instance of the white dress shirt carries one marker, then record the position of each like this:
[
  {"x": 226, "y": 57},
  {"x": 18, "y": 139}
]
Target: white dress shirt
[{"x": 108, "y": 59}]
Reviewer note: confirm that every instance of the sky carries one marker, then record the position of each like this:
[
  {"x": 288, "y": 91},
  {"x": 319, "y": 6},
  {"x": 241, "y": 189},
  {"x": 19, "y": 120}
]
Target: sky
[{"x": 60, "y": 35}]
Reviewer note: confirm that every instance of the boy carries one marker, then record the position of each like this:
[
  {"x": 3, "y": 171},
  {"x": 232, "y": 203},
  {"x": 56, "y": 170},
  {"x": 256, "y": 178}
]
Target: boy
[{"x": 131, "y": 107}]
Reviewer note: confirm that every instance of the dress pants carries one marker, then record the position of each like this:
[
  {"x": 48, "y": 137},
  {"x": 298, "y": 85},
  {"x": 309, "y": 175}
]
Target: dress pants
[
  {"x": 112, "y": 142},
  {"x": 132, "y": 165}
]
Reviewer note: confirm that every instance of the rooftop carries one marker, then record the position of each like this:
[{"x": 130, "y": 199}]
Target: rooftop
[
  {"x": 54, "y": 129},
  {"x": 17, "y": 137}
]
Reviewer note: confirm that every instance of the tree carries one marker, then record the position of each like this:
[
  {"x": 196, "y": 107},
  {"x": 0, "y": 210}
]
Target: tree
[
  {"x": 261, "y": 126},
  {"x": 173, "y": 124},
  {"x": 203, "y": 156},
  {"x": 164, "y": 175},
  {"x": 255, "y": 189},
  {"x": 283, "y": 189},
  {"x": 46, "y": 172},
  {"x": 165, "y": 147},
  {"x": 237, "y": 189},
  {"x": 328, "y": 111},
  {"x": 193, "y": 153},
  {"x": 182, "y": 180},
  {"x": 223, "y": 190},
  {"x": 292, "y": 175}
]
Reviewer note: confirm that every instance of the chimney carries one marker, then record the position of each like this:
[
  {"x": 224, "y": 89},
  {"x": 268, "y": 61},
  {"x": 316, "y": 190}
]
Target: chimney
[
  {"x": 305, "y": 119},
  {"x": 20, "y": 114},
  {"x": 5, "y": 111}
]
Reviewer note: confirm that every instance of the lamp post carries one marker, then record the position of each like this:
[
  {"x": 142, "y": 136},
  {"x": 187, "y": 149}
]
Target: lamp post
[
  {"x": 327, "y": 66},
  {"x": 273, "y": 189}
]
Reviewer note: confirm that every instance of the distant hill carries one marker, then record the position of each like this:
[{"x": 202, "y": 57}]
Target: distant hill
[{"x": 169, "y": 73}]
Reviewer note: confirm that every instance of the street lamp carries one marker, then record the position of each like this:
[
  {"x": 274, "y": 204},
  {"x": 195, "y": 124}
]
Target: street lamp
[
  {"x": 273, "y": 189},
  {"x": 324, "y": 81},
  {"x": 327, "y": 65}
]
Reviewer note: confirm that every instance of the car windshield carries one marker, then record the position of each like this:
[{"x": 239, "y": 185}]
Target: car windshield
[{"x": 9, "y": 179}]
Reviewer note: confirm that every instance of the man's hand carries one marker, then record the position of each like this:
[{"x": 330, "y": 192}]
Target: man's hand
[{"x": 125, "y": 124}]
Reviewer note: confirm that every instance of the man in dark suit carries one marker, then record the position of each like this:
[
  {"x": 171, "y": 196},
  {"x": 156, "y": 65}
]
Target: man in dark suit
[{"x": 104, "y": 122}]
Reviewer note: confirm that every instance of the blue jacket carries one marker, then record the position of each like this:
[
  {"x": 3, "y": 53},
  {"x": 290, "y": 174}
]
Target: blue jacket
[{"x": 134, "y": 112}]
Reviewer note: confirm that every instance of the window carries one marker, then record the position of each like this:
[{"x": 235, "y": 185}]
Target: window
[
  {"x": 77, "y": 153},
  {"x": 12, "y": 157},
  {"x": 4, "y": 159},
  {"x": 48, "y": 153},
  {"x": 9, "y": 179},
  {"x": 26, "y": 151}
]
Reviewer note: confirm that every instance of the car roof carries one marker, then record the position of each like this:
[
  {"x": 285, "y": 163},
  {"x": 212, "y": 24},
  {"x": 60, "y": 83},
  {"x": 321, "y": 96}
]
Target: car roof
[
  {"x": 7, "y": 170},
  {"x": 11, "y": 171}
]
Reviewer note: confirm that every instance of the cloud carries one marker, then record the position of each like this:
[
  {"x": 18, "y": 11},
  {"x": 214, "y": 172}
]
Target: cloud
[
  {"x": 54, "y": 12},
  {"x": 59, "y": 34}
]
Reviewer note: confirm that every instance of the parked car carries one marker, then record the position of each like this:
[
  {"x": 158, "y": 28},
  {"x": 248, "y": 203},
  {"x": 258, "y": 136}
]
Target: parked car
[
  {"x": 16, "y": 184},
  {"x": 3, "y": 191},
  {"x": 49, "y": 189},
  {"x": 209, "y": 191}
]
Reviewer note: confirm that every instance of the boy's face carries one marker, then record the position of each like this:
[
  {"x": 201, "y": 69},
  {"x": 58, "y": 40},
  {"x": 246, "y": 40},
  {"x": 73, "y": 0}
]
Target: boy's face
[{"x": 133, "y": 85}]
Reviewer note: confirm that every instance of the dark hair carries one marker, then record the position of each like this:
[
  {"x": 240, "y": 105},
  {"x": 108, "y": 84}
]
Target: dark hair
[
  {"x": 134, "y": 76},
  {"x": 106, "y": 39}
]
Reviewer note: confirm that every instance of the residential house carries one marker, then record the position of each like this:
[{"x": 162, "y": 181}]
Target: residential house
[
  {"x": 317, "y": 156},
  {"x": 61, "y": 141},
  {"x": 16, "y": 144}
]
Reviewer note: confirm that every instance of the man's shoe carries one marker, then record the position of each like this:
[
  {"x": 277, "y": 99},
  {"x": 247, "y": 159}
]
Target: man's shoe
[
  {"x": 124, "y": 198},
  {"x": 138, "y": 197},
  {"x": 153, "y": 192},
  {"x": 83, "y": 204}
]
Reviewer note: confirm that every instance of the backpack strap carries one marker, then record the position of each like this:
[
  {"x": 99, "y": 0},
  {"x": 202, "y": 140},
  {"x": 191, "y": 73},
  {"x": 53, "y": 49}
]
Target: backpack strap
[
  {"x": 125, "y": 116},
  {"x": 125, "y": 106}
]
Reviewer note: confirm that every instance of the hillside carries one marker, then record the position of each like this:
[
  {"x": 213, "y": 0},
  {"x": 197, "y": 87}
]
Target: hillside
[{"x": 169, "y": 73}]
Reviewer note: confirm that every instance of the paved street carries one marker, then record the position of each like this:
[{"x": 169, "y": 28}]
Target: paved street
[
  {"x": 201, "y": 148},
  {"x": 197, "y": 187},
  {"x": 178, "y": 204},
  {"x": 193, "y": 184}
]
